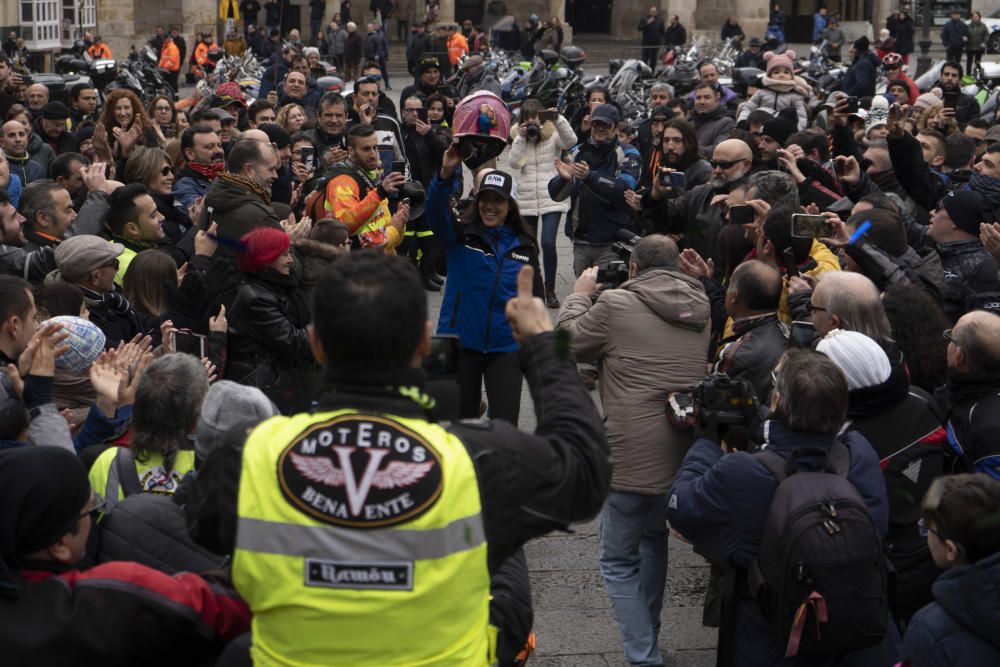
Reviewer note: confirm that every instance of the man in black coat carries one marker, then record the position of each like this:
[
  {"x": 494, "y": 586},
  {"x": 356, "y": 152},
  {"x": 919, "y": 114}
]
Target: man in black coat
[
  {"x": 950, "y": 80},
  {"x": 651, "y": 27}
]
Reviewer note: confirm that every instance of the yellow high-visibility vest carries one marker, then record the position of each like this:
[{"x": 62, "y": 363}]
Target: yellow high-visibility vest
[{"x": 360, "y": 542}]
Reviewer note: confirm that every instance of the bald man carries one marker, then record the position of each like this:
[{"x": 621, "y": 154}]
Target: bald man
[
  {"x": 973, "y": 392},
  {"x": 696, "y": 214},
  {"x": 14, "y": 139}
]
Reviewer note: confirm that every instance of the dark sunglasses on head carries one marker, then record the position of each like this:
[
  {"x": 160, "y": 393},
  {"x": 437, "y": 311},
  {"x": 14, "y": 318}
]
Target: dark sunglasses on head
[{"x": 723, "y": 164}]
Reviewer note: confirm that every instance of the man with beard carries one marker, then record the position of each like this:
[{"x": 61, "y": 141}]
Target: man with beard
[
  {"x": 695, "y": 215},
  {"x": 356, "y": 198},
  {"x": 365, "y": 111},
  {"x": 599, "y": 173},
  {"x": 966, "y": 107},
  {"x": 202, "y": 149},
  {"x": 677, "y": 150},
  {"x": 986, "y": 179},
  {"x": 329, "y": 137},
  {"x": 711, "y": 123},
  {"x": 51, "y": 127},
  {"x": 771, "y": 139},
  {"x": 83, "y": 104},
  {"x": 651, "y": 129},
  {"x": 428, "y": 82},
  {"x": 134, "y": 222},
  {"x": 14, "y": 259},
  {"x": 240, "y": 198}
]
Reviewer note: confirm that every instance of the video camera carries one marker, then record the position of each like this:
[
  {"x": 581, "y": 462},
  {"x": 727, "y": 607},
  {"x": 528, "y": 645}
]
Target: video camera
[
  {"x": 726, "y": 400},
  {"x": 615, "y": 272}
]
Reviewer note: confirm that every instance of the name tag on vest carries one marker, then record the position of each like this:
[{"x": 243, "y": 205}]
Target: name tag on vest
[{"x": 381, "y": 575}]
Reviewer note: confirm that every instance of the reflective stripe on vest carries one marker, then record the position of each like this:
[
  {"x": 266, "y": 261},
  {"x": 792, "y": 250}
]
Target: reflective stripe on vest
[{"x": 360, "y": 542}]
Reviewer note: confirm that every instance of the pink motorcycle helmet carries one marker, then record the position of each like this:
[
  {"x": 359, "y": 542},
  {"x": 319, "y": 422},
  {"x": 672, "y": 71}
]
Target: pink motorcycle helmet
[{"x": 480, "y": 126}]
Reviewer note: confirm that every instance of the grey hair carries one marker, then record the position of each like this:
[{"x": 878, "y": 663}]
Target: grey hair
[
  {"x": 776, "y": 188},
  {"x": 856, "y": 301},
  {"x": 167, "y": 405},
  {"x": 662, "y": 87},
  {"x": 37, "y": 198}
]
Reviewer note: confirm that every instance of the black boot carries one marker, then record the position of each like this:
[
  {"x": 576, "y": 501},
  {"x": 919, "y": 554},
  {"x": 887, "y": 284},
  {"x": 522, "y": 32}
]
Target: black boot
[{"x": 550, "y": 297}]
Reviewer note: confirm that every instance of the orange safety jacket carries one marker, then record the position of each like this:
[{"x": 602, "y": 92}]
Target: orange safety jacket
[
  {"x": 170, "y": 56},
  {"x": 458, "y": 46}
]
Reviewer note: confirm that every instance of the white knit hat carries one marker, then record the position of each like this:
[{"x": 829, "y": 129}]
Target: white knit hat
[{"x": 864, "y": 362}]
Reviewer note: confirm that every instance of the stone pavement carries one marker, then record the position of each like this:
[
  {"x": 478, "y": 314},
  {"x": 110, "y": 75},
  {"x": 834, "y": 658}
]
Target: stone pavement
[{"x": 573, "y": 619}]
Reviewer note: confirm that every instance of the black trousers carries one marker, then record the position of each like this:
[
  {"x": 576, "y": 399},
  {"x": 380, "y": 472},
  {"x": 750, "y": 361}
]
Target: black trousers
[{"x": 503, "y": 377}]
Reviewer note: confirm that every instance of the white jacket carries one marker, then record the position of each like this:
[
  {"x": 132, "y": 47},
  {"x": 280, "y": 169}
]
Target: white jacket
[{"x": 533, "y": 168}]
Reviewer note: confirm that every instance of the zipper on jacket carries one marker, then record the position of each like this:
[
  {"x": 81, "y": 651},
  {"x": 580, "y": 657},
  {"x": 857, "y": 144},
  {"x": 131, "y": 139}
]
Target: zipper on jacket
[{"x": 493, "y": 294}]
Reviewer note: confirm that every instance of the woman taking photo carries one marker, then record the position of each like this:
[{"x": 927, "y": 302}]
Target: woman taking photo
[
  {"x": 164, "y": 116},
  {"x": 268, "y": 339},
  {"x": 125, "y": 119},
  {"x": 486, "y": 248},
  {"x": 536, "y": 145}
]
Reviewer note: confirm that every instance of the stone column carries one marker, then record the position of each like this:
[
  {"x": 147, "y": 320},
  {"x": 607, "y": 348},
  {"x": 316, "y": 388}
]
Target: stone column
[{"x": 446, "y": 12}]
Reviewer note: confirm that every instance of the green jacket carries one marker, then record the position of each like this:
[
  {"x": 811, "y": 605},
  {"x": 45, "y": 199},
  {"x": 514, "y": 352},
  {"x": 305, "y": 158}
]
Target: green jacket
[{"x": 978, "y": 34}]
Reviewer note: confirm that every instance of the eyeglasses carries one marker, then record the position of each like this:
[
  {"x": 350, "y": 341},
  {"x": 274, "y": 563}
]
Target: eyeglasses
[
  {"x": 113, "y": 263},
  {"x": 163, "y": 109},
  {"x": 979, "y": 142},
  {"x": 166, "y": 171},
  {"x": 924, "y": 529},
  {"x": 411, "y": 110},
  {"x": 96, "y": 507},
  {"x": 811, "y": 307},
  {"x": 723, "y": 164},
  {"x": 949, "y": 336}
]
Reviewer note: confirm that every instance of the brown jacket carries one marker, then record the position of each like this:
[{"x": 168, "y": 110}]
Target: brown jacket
[{"x": 651, "y": 338}]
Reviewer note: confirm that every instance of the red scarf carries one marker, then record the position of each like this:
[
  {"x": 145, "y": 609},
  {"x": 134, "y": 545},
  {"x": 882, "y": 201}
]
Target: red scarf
[{"x": 209, "y": 171}]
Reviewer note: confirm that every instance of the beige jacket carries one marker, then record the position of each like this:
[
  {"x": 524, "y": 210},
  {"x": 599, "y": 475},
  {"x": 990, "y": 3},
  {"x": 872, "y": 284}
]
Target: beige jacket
[{"x": 651, "y": 337}]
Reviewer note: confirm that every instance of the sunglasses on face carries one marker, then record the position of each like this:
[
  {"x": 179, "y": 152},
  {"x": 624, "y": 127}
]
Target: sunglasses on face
[
  {"x": 166, "y": 171},
  {"x": 723, "y": 164}
]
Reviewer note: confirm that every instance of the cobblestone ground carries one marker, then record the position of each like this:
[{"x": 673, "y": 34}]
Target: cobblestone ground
[{"x": 573, "y": 619}]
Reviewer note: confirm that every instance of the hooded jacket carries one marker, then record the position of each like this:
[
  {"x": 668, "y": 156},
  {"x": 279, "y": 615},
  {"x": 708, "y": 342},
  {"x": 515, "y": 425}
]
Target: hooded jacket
[
  {"x": 651, "y": 336},
  {"x": 859, "y": 80},
  {"x": 237, "y": 209},
  {"x": 712, "y": 127},
  {"x": 960, "y": 626},
  {"x": 41, "y": 153},
  {"x": 972, "y": 402},
  {"x": 483, "y": 264},
  {"x": 533, "y": 159}
]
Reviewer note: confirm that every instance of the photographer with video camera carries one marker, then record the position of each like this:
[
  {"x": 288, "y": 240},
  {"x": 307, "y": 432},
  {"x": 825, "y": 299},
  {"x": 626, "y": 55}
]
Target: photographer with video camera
[
  {"x": 785, "y": 600},
  {"x": 651, "y": 335}
]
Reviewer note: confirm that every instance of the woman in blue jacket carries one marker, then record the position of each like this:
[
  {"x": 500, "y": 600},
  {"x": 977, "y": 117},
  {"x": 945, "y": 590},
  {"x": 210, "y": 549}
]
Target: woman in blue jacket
[{"x": 486, "y": 245}]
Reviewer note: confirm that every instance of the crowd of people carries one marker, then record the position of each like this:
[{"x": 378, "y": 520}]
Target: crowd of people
[{"x": 224, "y": 412}]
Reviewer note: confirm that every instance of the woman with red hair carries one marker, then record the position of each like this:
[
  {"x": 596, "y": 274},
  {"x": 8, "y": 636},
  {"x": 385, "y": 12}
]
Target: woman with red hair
[
  {"x": 125, "y": 119},
  {"x": 268, "y": 340}
]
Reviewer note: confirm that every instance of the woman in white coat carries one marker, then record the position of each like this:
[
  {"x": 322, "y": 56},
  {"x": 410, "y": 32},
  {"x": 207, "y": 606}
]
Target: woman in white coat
[{"x": 537, "y": 144}]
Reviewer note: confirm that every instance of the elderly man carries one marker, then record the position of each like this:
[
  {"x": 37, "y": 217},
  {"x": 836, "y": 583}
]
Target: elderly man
[
  {"x": 973, "y": 392},
  {"x": 695, "y": 213},
  {"x": 52, "y": 128},
  {"x": 240, "y": 197},
  {"x": 37, "y": 96},
  {"x": 91, "y": 263}
]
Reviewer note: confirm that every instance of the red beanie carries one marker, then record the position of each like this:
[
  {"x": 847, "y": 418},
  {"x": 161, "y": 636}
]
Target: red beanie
[{"x": 261, "y": 247}]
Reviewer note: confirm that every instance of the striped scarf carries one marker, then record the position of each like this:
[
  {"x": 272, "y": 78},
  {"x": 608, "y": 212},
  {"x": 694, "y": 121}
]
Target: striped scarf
[{"x": 248, "y": 183}]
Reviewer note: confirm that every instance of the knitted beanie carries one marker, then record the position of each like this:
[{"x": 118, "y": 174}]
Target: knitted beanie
[
  {"x": 877, "y": 114},
  {"x": 227, "y": 404},
  {"x": 786, "y": 59},
  {"x": 863, "y": 361},
  {"x": 932, "y": 98}
]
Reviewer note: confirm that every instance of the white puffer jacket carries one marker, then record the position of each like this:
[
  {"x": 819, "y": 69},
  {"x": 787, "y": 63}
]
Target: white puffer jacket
[{"x": 532, "y": 163}]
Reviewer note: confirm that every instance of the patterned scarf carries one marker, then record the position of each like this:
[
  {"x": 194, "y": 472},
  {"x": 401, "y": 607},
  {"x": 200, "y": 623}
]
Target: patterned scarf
[
  {"x": 249, "y": 183},
  {"x": 111, "y": 300},
  {"x": 209, "y": 171},
  {"x": 986, "y": 186}
]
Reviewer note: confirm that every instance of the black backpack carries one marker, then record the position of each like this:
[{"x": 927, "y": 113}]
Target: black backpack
[{"x": 820, "y": 577}]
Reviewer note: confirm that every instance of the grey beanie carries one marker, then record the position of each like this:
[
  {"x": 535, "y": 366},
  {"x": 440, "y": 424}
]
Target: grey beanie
[{"x": 227, "y": 404}]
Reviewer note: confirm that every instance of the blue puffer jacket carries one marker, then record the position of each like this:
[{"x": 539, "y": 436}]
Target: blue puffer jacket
[
  {"x": 719, "y": 504},
  {"x": 483, "y": 264},
  {"x": 960, "y": 626}
]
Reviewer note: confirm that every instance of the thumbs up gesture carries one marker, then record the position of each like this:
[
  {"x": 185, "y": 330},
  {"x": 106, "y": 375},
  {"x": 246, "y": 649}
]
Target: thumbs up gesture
[{"x": 526, "y": 313}]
